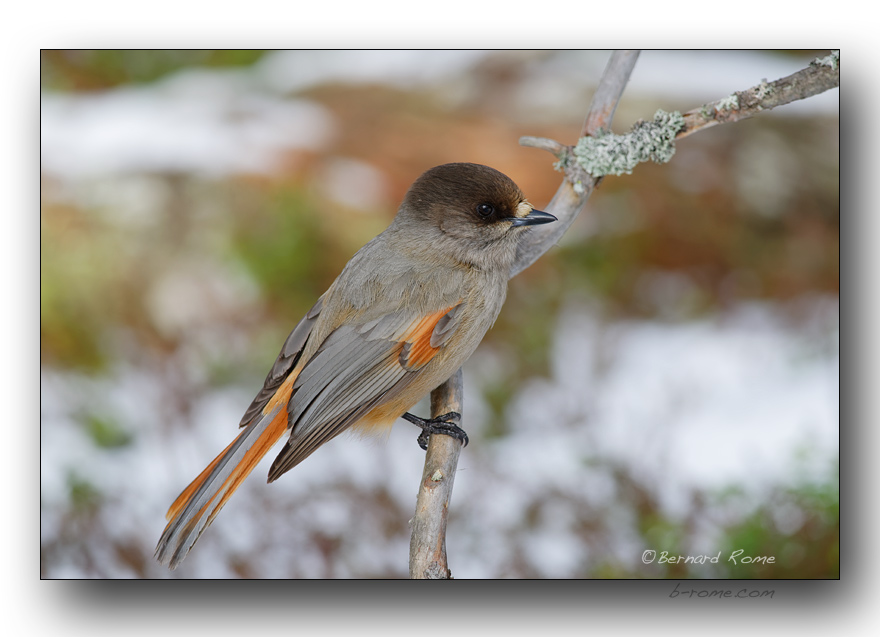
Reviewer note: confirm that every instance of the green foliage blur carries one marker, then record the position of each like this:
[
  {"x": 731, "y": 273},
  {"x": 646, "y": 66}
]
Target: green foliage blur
[
  {"x": 282, "y": 243},
  {"x": 82, "y": 69},
  {"x": 800, "y": 526}
]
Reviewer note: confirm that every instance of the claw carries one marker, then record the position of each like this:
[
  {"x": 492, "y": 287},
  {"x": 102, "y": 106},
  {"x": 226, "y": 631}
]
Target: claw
[{"x": 444, "y": 424}]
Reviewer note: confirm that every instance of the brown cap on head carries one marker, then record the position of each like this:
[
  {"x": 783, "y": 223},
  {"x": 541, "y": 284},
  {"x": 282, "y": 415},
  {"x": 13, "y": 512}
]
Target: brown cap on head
[
  {"x": 465, "y": 192},
  {"x": 466, "y": 214}
]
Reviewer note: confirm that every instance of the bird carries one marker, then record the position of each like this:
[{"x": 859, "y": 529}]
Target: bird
[{"x": 405, "y": 313}]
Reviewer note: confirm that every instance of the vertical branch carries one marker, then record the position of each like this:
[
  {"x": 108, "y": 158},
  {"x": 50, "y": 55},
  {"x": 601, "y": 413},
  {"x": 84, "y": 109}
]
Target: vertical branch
[
  {"x": 427, "y": 548},
  {"x": 427, "y": 553},
  {"x": 428, "y": 545},
  {"x": 608, "y": 92}
]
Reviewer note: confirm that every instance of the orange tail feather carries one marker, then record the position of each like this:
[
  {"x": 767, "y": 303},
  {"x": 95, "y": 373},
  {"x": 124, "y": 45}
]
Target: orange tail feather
[{"x": 197, "y": 506}]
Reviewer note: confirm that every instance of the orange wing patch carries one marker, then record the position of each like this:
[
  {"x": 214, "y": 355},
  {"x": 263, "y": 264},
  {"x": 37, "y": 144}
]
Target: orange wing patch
[{"x": 417, "y": 349}]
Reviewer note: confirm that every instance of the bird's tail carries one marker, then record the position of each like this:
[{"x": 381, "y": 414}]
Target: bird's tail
[{"x": 198, "y": 505}]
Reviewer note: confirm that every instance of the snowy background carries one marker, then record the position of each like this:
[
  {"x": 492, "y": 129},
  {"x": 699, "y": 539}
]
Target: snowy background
[{"x": 666, "y": 379}]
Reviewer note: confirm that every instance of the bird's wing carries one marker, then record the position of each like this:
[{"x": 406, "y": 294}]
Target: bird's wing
[
  {"x": 358, "y": 367},
  {"x": 284, "y": 364}
]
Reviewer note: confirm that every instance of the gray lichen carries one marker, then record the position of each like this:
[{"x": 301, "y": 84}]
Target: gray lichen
[
  {"x": 764, "y": 90},
  {"x": 729, "y": 103},
  {"x": 610, "y": 154}
]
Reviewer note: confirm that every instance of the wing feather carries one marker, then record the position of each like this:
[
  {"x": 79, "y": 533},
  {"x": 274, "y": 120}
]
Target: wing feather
[
  {"x": 284, "y": 364},
  {"x": 353, "y": 370}
]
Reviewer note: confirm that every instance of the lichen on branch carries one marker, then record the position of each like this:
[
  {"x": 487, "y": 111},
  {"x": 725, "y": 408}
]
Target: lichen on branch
[{"x": 610, "y": 154}]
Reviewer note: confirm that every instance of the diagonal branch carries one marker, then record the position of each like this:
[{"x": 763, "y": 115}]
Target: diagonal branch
[
  {"x": 822, "y": 74},
  {"x": 574, "y": 191},
  {"x": 600, "y": 152}
]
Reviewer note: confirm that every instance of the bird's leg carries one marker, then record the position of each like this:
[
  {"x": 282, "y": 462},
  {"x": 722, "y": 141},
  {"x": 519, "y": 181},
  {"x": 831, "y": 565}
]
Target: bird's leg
[{"x": 444, "y": 424}]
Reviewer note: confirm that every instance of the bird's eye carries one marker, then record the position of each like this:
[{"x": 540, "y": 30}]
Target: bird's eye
[{"x": 485, "y": 209}]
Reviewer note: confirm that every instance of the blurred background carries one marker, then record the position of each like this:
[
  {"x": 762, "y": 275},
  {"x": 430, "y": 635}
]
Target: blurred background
[{"x": 665, "y": 379}]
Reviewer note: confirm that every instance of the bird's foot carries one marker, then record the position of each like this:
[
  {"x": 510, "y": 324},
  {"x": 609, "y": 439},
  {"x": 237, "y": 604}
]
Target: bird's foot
[{"x": 445, "y": 424}]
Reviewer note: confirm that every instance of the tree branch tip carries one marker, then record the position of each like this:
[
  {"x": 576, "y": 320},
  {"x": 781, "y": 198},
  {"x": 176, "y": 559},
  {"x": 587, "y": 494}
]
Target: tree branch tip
[
  {"x": 550, "y": 145},
  {"x": 831, "y": 60}
]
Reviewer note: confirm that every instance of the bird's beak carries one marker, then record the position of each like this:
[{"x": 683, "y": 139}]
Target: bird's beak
[{"x": 534, "y": 218}]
